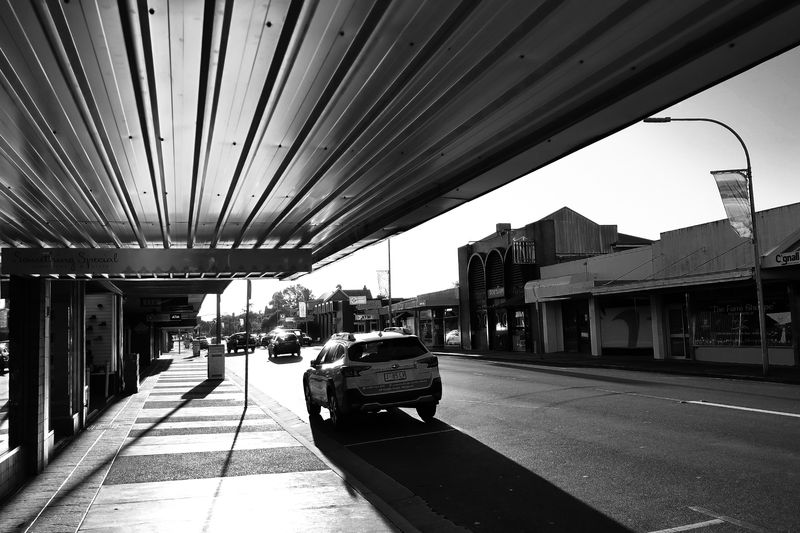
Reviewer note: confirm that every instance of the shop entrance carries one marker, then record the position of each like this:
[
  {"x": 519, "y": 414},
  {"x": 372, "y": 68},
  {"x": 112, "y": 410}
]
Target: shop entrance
[
  {"x": 678, "y": 328},
  {"x": 499, "y": 328},
  {"x": 575, "y": 317}
]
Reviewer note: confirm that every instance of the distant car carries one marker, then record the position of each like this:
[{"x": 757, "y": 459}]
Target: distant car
[
  {"x": 453, "y": 337},
  {"x": 370, "y": 372},
  {"x": 203, "y": 342},
  {"x": 264, "y": 338},
  {"x": 238, "y": 340},
  {"x": 3, "y": 356},
  {"x": 398, "y": 329},
  {"x": 305, "y": 340},
  {"x": 283, "y": 342}
]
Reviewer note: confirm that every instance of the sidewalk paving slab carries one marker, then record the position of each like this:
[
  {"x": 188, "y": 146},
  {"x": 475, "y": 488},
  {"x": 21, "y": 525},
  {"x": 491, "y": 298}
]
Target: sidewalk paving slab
[{"x": 191, "y": 460}]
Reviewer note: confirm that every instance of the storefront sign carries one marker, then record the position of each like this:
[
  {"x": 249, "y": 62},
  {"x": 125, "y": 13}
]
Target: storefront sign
[
  {"x": 367, "y": 316},
  {"x": 496, "y": 292},
  {"x": 784, "y": 259},
  {"x": 98, "y": 261},
  {"x": 358, "y": 300}
]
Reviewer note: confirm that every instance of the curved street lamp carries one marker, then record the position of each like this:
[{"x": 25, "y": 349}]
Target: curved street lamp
[{"x": 754, "y": 237}]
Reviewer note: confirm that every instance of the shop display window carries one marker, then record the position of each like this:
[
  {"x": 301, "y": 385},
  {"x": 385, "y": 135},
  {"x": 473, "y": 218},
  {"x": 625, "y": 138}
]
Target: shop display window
[{"x": 735, "y": 323}]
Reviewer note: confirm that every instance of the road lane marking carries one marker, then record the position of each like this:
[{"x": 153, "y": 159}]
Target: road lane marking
[
  {"x": 398, "y": 438},
  {"x": 689, "y": 527},
  {"x": 728, "y": 519},
  {"x": 651, "y": 396},
  {"x": 739, "y": 408}
]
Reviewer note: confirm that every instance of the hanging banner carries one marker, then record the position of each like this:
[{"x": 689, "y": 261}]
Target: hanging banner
[{"x": 732, "y": 185}]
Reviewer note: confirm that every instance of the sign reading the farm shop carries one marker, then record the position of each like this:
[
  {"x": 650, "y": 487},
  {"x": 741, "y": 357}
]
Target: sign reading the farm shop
[
  {"x": 44, "y": 261},
  {"x": 782, "y": 259}
]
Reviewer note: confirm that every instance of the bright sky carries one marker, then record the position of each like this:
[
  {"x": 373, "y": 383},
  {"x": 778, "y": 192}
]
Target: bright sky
[{"x": 646, "y": 179}]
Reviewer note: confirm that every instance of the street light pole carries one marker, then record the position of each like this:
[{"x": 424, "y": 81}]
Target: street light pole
[
  {"x": 762, "y": 324},
  {"x": 389, "y": 253}
]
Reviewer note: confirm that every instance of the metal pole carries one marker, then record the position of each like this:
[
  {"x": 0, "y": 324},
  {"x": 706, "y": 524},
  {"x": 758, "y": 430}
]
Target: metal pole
[
  {"x": 389, "y": 251},
  {"x": 247, "y": 345},
  {"x": 762, "y": 323},
  {"x": 219, "y": 320}
]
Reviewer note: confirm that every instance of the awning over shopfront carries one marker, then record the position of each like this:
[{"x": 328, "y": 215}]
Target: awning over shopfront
[
  {"x": 543, "y": 290},
  {"x": 135, "y": 263}
]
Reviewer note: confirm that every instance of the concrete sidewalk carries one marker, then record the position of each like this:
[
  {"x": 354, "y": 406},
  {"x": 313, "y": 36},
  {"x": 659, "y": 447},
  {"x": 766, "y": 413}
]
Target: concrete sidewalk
[{"x": 184, "y": 455}]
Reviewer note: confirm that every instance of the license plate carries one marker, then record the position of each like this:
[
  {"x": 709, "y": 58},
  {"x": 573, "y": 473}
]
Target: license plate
[{"x": 394, "y": 376}]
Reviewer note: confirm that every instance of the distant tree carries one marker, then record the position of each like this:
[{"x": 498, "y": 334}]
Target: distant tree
[{"x": 287, "y": 301}]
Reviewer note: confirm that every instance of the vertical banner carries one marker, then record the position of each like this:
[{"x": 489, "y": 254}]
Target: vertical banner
[{"x": 732, "y": 185}]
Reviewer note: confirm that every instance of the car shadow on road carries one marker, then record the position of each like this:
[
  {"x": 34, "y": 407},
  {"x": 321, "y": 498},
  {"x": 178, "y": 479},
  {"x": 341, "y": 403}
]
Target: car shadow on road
[
  {"x": 285, "y": 359},
  {"x": 458, "y": 477}
]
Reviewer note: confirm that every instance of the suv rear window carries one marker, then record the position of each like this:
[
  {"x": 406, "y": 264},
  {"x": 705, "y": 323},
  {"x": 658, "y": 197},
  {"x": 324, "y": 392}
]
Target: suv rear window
[{"x": 387, "y": 350}]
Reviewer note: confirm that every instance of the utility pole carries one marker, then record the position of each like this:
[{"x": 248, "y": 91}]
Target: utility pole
[
  {"x": 389, "y": 249},
  {"x": 762, "y": 324},
  {"x": 247, "y": 345}
]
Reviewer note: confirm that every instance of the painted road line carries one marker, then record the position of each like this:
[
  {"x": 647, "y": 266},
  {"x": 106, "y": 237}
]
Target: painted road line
[
  {"x": 689, "y": 527},
  {"x": 728, "y": 519},
  {"x": 738, "y": 408}
]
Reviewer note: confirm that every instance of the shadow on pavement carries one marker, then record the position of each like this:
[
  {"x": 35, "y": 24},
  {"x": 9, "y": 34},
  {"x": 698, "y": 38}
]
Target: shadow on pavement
[
  {"x": 202, "y": 389},
  {"x": 459, "y": 477},
  {"x": 565, "y": 372},
  {"x": 285, "y": 360}
]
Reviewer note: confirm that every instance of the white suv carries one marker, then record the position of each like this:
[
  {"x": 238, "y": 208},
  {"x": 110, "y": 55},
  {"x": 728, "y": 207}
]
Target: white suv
[{"x": 370, "y": 372}]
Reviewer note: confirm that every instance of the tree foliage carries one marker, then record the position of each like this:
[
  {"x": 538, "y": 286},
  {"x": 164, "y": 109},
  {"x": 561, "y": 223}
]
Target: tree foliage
[{"x": 287, "y": 301}]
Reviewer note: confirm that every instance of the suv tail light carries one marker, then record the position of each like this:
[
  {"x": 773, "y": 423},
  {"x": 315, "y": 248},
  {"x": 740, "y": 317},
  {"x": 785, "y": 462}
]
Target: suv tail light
[
  {"x": 354, "y": 370},
  {"x": 431, "y": 362}
]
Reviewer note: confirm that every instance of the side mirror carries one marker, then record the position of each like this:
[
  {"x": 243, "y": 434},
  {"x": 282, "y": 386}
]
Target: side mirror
[{"x": 313, "y": 363}]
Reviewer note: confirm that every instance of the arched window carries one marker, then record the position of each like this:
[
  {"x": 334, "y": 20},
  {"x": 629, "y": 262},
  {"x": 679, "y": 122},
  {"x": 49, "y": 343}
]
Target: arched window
[
  {"x": 495, "y": 275},
  {"x": 477, "y": 280}
]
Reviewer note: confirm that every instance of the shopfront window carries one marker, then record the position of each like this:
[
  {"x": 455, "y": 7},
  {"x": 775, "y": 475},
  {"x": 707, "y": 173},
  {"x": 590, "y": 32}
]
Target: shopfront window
[
  {"x": 5, "y": 352},
  {"x": 735, "y": 323},
  {"x": 520, "y": 332},
  {"x": 426, "y": 327}
]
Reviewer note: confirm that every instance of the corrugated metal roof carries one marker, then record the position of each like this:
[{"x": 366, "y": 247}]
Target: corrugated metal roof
[{"x": 326, "y": 125}]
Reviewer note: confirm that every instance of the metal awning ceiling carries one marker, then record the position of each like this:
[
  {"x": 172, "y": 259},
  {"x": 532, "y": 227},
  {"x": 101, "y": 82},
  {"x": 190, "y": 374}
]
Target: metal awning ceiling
[{"x": 326, "y": 125}]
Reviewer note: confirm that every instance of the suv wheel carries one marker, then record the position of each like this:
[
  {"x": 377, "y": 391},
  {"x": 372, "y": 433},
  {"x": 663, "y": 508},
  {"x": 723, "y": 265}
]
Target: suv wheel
[
  {"x": 312, "y": 408},
  {"x": 337, "y": 418},
  {"x": 426, "y": 411}
]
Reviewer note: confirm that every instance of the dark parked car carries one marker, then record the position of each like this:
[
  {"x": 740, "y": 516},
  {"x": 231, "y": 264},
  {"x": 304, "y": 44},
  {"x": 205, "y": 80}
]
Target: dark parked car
[
  {"x": 237, "y": 340},
  {"x": 305, "y": 340},
  {"x": 283, "y": 342}
]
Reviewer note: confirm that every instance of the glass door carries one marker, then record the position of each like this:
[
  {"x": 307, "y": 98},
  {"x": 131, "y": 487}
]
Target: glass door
[{"x": 678, "y": 328}]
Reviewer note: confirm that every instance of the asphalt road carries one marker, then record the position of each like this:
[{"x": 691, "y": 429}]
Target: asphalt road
[{"x": 520, "y": 447}]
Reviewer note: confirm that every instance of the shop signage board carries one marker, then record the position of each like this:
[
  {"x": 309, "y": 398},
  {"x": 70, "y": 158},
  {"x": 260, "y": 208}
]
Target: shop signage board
[
  {"x": 163, "y": 317},
  {"x": 496, "y": 292},
  {"x": 358, "y": 300},
  {"x": 99, "y": 261},
  {"x": 367, "y": 316},
  {"x": 782, "y": 259}
]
